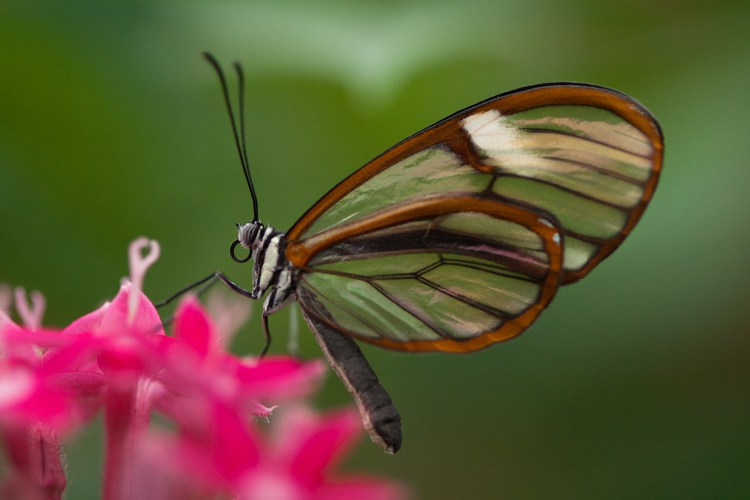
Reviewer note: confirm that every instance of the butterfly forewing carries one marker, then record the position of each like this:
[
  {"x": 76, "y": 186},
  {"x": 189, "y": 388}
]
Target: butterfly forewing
[
  {"x": 585, "y": 156},
  {"x": 448, "y": 273},
  {"x": 588, "y": 166}
]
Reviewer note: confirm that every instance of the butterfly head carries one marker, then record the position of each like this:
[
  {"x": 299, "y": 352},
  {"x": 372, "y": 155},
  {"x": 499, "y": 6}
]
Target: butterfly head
[{"x": 248, "y": 235}]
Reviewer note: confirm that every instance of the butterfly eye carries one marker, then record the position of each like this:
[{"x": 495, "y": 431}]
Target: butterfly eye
[
  {"x": 249, "y": 234},
  {"x": 233, "y": 254}
]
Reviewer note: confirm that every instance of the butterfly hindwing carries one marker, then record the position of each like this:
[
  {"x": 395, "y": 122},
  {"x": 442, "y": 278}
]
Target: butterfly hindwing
[{"x": 446, "y": 273}]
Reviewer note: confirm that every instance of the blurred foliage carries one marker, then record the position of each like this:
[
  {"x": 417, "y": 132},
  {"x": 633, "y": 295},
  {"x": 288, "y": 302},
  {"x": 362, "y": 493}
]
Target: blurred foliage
[{"x": 633, "y": 384}]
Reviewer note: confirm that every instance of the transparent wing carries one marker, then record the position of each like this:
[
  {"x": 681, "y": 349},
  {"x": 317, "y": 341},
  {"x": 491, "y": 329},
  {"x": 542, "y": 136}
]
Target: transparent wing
[
  {"x": 449, "y": 273},
  {"x": 585, "y": 156}
]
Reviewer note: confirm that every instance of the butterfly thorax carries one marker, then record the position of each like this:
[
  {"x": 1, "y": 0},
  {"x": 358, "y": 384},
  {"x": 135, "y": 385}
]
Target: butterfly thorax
[{"x": 271, "y": 268}]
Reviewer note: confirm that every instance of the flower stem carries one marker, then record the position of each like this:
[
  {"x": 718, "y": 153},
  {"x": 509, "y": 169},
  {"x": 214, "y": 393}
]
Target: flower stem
[{"x": 38, "y": 468}]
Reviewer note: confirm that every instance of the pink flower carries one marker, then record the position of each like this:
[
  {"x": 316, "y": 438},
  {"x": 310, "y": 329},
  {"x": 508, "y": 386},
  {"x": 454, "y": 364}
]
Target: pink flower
[
  {"x": 32, "y": 408},
  {"x": 295, "y": 463},
  {"x": 119, "y": 360},
  {"x": 197, "y": 361},
  {"x": 302, "y": 453}
]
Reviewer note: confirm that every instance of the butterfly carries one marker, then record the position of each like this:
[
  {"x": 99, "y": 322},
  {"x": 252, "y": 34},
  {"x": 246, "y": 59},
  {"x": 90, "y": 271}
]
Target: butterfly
[{"x": 459, "y": 236}]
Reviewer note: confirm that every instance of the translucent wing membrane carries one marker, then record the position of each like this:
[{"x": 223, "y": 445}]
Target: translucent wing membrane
[
  {"x": 587, "y": 166},
  {"x": 447, "y": 273},
  {"x": 585, "y": 157}
]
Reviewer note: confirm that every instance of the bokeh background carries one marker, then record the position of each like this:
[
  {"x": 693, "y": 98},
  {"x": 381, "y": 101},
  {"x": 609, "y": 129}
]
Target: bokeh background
[{"x": 635, "y": 381}]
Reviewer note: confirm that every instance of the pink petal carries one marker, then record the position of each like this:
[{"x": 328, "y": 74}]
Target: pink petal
[
  {"x": 194, "y": 328},
  {"x": 13, "y": 341},
  {"x": 310, "y": 445},
  {"x": 79, "y": 353},
  {"x": 16, "y": 385},
  {"x": 268, "y": 483},
  {"x": 168, "y": 468},
  {"x": 25, "y": 398},
  {"x": 83, "y": 390},
  {"x": 280, "y": 377},
  {"x": 361, "y": 489},
  {"x": 145, "y": 321},
  {"x": 235, "y": 446},
  {"x": 88, "y": 323},
  {"x": 122, "y": 361}
]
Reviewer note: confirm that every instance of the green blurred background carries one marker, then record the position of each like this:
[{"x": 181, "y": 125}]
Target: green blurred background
[{"x": 633, "y": 384}]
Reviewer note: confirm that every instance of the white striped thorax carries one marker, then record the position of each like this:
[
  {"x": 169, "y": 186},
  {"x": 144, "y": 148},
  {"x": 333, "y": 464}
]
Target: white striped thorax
[{"x": 271, "y": 269}]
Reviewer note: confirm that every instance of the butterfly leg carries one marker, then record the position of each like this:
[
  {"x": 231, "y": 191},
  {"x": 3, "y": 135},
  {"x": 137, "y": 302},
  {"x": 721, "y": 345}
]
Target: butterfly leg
[
  {"x": 233, "y": 286},
  {"x": 207, "y": 283},
  {"x": 270, "y": 305},
  {"x": 266, "y": 334},
  {"x": 276, "y": 299}
]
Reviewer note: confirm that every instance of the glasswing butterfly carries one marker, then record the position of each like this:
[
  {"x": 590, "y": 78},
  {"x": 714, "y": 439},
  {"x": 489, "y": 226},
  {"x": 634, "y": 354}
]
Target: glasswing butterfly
[{"x": 459, "y": 236}]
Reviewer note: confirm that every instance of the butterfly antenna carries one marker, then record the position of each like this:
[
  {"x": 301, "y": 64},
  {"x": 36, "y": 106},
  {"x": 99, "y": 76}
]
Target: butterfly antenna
[
  {"x": 241, "y": 82},
  {"x": 241, "y": 144}
]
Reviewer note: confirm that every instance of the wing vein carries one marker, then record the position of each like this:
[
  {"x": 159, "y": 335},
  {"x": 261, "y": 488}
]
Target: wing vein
[
  {"x": 421, "y": 318},
  {"x": 539, "y": 130},
  {"x": 349, "y": 311}
]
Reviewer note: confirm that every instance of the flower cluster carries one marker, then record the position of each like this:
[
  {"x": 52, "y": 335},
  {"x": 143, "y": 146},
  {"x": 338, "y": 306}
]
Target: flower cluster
[{"x": 180, "y": 412}]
